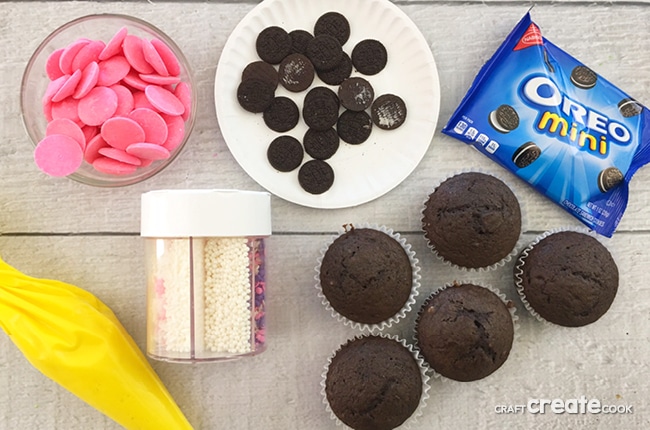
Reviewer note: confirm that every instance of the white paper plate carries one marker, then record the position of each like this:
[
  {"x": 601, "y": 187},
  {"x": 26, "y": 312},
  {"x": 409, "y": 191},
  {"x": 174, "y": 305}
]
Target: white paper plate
[{"x": 362, "y": 172}]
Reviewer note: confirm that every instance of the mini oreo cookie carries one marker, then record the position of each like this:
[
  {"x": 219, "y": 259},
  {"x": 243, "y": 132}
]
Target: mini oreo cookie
[
  {"x": 526, "y": 154},
  {"x": 324, "y": 52},
  {"x": 261, "y": 70},
  {"x": 321, "y": 108},
  {"x": 273, "y": 44},
  {"x": 281, "y": 115},
  {"x": 609, "y": 178},
  {"x": 316, "y": 176},
  {"x": 339, "y": 73},
  {"x": 369, "y": 56},
  {"x": 296, "y": 73},
  {"x": 321, "y": 144},
  {"x": 255, "y": 95},
  {"x": 583, "y": 77},
  {"x": 356, "y": 94},
  {"x": 333, "y": 24},
  {"x": 354, "y": 127},
  {"x": 504, "y": 119},
  {"x": 299, "y": 40},
  {"x": 388, "y": 111},
  {"x": 629, "y": 108},
  {"x": 285, "y": 153}
]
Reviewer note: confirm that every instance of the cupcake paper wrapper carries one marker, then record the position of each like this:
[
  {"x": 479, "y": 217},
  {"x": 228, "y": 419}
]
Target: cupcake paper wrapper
[
  {"x": 414, "y": 288},
  {"x": 518, "y": 269},
  {"x": 413, "y": 419},
  {"x": 504, "y": 260},
  {"x": 509, "y": 304}
]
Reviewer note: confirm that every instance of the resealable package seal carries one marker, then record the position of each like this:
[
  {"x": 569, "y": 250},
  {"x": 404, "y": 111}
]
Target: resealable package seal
[{"x": 558, "y": 125}]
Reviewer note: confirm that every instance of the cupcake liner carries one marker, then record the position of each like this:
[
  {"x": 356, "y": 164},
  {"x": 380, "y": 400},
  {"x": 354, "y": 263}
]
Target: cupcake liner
[
  {"x": 509, "y": 305},
  {"x": 519, "y": 264},
  {"x": 413, "y": 419},
  {"x": 520, "y": 242},
  {"x": 407, "y": 305}
]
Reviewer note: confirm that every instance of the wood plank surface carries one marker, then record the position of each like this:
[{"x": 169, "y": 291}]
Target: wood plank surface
[{"x": 59, "y": 229}]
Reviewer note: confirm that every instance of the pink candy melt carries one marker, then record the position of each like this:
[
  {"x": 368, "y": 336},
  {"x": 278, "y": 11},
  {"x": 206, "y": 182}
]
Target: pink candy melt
[
  {"x": 58, "y": 155},
  {"x": 122, "y": 103}
]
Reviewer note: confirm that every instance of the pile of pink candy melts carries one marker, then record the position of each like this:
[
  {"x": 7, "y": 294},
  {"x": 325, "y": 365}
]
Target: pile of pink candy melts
[{"x": 119, "y": 105}]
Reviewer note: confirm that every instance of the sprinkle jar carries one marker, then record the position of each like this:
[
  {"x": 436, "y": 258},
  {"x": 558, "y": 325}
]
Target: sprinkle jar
[{"x": 205, "y": 268}]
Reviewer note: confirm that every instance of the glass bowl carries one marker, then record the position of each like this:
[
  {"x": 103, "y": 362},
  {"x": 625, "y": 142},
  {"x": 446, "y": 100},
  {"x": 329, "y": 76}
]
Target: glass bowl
[{"x": 99, "y": 27}]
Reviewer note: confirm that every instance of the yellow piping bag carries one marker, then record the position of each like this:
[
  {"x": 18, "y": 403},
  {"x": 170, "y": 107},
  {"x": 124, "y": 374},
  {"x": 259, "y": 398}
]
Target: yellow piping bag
[{"x": 76, "y": 340}]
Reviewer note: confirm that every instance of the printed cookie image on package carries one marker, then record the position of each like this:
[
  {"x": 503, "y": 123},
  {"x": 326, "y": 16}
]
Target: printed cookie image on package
[{"x": 561, "y": 127}]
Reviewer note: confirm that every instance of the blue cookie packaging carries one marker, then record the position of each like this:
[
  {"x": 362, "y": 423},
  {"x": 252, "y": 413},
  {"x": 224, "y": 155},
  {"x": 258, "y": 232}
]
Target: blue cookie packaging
[{"x": 561, "y": 127}]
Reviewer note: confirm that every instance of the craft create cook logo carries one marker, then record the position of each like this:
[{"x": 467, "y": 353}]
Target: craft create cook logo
[{"x": 581, "y": 405}]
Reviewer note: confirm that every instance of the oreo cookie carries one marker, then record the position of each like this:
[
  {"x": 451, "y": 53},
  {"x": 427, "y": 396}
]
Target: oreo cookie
[
  {"x": 255, "y": 95},
  {"x": 320, "y": 109},
  {"x": 281, "y": 115},
  {"x": 261, "y": 70},
  {"x": 299, "y": 40},
  {"x": 504, "y": 119},
  {"x": 388, "y": 111},
  {"x": 324, "y": 52},
  {"x": 316, "y": 176},
  {"x": 609, "y": 178},
  {"x": 354, "y": 127},
  {"x": 339, "y": 73},
  {"x": 629, "y": 108},
  {"x": 273, "y": 44},
  {"x": 321, "y": 144},
  {"x": 285, "y": 153},
  {"x": 333, "y": 24},
  {"x": 583, "y": 77},
  {"x": 296, "y": 73},
  {"x": 526, "y": 154},
  {"x": 369, "y": 56},
  {"x": 356, "y": 94}
]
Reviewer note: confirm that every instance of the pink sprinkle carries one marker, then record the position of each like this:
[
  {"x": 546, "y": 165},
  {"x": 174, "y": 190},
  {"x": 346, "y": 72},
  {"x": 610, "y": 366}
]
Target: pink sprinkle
[
  {"x": 114, "y": 46},
  {"x": 120, "y": 132},
  {"x": 92, "y": 148},
  {"x": 124, "y": 100},
  {"x": 53, "y": 87},
  {"x": 68, "y": 128},
  {"x": 184, "y": 93},
  {"x": 113, "y": 167},
  {"x": 133, "y": 80},
  {"x": 68, "y": 54},
  {"x": 88, "y": 54},
  {"x": 168, "y": 56},
  {"x": 113, "y": 70},
  {"x": 58, "y": 155},
  {"x": 119, "y": 155},
  {"x": 148, "y": 151},
  {"x": 153, "y": 58},
  {"x": 132, "y": 47},
  {"x": 88, "y": 80},
  {"x": 155, "y": 128},
  {"x": 52, "y": 65},
  {"x": 163, "y": 100},
  {"x": 175, "y": 132},
  {"x": 99, "y": 105},
  {"x": 160, "y": 80},
  {"x": 68, "y": 108},
  {"x": 68, "y": 88}
]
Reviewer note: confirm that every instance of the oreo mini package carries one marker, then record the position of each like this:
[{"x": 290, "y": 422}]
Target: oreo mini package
[{"x": 558, "y": 125}]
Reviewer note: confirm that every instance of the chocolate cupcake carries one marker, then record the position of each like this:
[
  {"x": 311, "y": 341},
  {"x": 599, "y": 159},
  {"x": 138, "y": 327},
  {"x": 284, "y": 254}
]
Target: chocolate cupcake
[
  {"x": 465, "y": 331},
  {"x": 375, "y": 383},
  {"x": 567, "y": 278},
  {"x": 368, "y": 277},
  {"x": 472, "y": 220}
]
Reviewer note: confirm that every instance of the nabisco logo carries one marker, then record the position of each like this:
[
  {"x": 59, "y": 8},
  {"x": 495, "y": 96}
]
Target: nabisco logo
[{"x": 531, "y": 37}]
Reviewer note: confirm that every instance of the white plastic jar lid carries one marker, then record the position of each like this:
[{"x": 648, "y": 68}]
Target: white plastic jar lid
[{"x": 205, "y": 213}]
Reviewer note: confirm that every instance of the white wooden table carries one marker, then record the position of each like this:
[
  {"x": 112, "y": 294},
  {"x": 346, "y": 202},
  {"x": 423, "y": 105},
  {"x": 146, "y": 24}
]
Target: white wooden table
[{"x": 89, "y": 237}]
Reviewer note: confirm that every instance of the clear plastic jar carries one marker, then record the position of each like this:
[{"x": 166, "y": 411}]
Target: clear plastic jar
[{"x": 205, "y": 267}]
